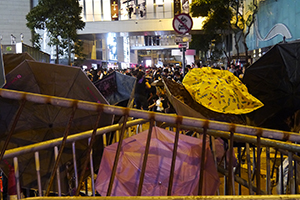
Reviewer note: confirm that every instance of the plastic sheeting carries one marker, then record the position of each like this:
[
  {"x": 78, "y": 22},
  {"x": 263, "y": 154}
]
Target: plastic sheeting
[
  {"x": 220, "y": 91},
  {"x": 187, "y": 167}
]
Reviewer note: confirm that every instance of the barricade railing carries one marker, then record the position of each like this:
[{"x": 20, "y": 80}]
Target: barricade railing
[{"x": 284, "y": 142}]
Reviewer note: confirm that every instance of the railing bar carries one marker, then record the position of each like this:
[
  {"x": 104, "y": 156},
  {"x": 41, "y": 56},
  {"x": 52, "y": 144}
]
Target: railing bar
[
  {"x": 268, "y": 166},
  {"x": 239, "y": 168},
  {"x": 60, "y": 150},
  {"x": 12, "y": 130},
  {"x": 75, "y": 164},
  {"x": 254, "y": 162},
  {"x": 170, "y": 186},
  {"x": 115, "y": 165},
  {"x": 104, "y": 138},
  {"x": 258, "y": 167},
  {"x": 116, "y": 110},
  {"x": 242, "y": 182},
  {"x": 202, "y": 164},
  {"x": 230, "y": 167},
  {"x": 290, "y": 174},
  {"x": 296, "y": 172},
  {"x": 142, "y": 174},
  {"x": 281, "y": 173},
  {"x": 117, "y": 135},
  {"x": 71, "y": 138},
  {"x": 57, "y": 172},
  {"x": 225, "y": 167},
  {"x": 273, "y": 166},
  {"x": 37, "y": 167},
  {"x": 17, "y": 176},
  {"x": 213, "y": 150},
  {"x": 92, "y": 169},
  {"x": 88, "y": 154},
  {"x": 276, "y": 144},
  {"x": 249, "y": 168}
]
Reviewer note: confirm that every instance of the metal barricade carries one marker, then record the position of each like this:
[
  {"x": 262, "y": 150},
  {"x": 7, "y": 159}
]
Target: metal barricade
[{"x": 261, "y": 140}]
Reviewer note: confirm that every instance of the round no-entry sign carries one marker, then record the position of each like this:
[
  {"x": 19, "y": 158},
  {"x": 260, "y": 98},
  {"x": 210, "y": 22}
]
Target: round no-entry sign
[{"x": 182, "y": 23}]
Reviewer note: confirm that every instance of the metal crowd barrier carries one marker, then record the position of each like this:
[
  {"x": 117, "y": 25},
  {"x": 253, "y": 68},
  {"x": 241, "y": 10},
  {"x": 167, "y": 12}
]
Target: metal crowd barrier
[{"x": 284, "y": 142}]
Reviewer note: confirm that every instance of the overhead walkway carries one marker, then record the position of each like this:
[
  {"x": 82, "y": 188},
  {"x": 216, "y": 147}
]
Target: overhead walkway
[{"x": 254, "y": 177}]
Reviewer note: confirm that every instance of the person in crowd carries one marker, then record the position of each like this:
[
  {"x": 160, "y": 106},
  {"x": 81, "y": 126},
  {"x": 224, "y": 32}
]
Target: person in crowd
[
  {"x": 140, "y": 94},
  {"x": 157, "y": 105},
  {"x": 177, "y": 77},
  {"x": 232, "y": 68}
]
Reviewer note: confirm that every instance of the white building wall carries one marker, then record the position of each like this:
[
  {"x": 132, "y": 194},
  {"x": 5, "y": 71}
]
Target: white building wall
[{"x": 13, "y": 20}]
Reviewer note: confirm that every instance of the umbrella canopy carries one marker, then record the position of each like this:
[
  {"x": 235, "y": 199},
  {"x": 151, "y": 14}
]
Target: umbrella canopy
[
  {"x": 220, "y": 91},
  {"x": 41, "y": 122},
  {"x": 13, "y": 60},
  {"x": 275, "y": 80},
  {"x": 116, "y": 87},
  {"x": 185, "y": 105},
  {"x": 187, "y": 167}
]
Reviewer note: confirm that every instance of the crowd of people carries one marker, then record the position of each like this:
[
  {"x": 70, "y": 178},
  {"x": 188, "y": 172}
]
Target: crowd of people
[{"x": 148, "y": 94}]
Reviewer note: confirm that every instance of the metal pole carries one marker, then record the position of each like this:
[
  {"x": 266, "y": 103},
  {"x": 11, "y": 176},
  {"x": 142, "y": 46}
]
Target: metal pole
[
  {"x": 92, "y": 170},
  {"x": 202, "y": 164},
  {"x": 183, "y": 61},
  {"x": 75, "y": 164},
  {"x": 258, "y": 167},
  {"x": 60, "y": 150},
  {"x": 17, "y": 175},
  {"x": 230, "y": 167},
  {"x": 114, "y": 169},
  {"x": 249, "y": 168},
  {"x": 57, "y": 172},
  {"x": 139, "y": 193},
  {"x": 88, "y": 154},
  {"x": 170, "y": 186},
  {"x": 268, "y": 177},
  {"x": 37, "y": 167}
]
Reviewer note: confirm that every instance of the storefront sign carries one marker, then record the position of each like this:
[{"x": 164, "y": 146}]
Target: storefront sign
[{"x": 114, "y": 10}]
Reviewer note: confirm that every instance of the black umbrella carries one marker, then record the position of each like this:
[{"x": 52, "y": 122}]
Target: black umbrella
[
  {"x": 42, "y": 122},
  {"x": 116, "y": 87},
  {"x": 275, "y": 80}
]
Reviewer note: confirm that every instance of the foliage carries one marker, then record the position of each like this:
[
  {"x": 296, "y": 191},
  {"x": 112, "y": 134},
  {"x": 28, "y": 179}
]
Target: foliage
[
  {"x": 225, "y": 17},
  {"x": 61, "y": 20}
]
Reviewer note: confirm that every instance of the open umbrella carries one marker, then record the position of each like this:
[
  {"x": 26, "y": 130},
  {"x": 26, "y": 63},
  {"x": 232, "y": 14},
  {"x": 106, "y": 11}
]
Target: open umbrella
[
  {"x": 42, "y": 122},
  {"x": 186, "y": 173},
  {"x": 275, "y": 80},
  {"x": 186, "y": 105},
  {"x": 220, "y": 91},
  {"x": 116, "y": 87},
  {"x": 12, "y": 60}
]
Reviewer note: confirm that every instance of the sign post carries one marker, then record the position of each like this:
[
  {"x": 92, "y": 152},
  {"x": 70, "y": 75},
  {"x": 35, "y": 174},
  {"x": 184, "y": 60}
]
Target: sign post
[
  {"x": 2, "y": 74},
  {"x": 182, "y": 24}
]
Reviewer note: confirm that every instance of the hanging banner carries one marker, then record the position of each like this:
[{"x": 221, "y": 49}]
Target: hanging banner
[
  {"x": 114, "y": 10},
  {"x": 177, "y": 7}
]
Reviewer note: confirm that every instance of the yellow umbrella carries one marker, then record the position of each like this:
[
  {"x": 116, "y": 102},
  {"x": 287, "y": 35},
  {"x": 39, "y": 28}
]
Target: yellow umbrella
[{"x": 220, "y": 91}]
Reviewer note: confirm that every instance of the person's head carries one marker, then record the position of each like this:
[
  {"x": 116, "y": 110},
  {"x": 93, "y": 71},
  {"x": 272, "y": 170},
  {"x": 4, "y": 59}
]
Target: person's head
[{"x": 140, "y": 75}]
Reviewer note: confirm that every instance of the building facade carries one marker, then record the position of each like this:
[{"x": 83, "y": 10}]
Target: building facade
[{"x": 131, "y": 32}]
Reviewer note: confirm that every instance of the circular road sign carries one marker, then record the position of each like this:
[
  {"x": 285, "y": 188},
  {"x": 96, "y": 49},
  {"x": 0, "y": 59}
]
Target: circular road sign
[{"x": 182, "y": 23}]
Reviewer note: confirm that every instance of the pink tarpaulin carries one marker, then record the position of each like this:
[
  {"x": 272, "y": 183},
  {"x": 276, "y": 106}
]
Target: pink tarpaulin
[{"x": 187, "y": 167}]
